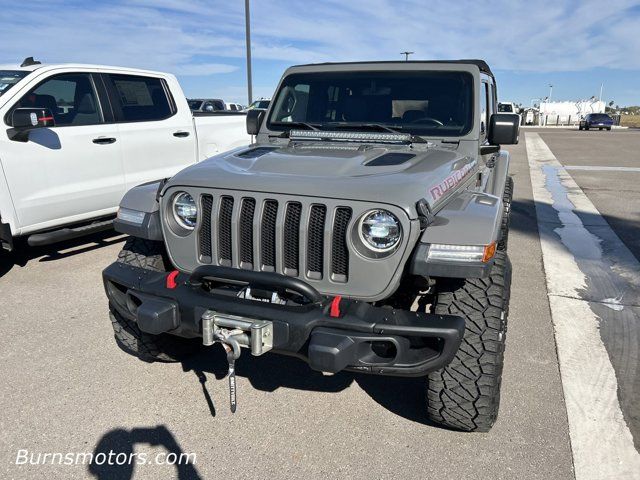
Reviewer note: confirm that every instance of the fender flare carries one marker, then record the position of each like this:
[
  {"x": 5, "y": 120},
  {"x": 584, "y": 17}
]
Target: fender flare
[{"x": 141, "y": 202}]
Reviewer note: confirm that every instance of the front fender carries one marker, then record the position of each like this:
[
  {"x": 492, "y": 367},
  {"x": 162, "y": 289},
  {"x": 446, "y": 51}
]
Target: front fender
[
  {"x": 139, "y": 213},
  {"x": 470, "y": 219}
]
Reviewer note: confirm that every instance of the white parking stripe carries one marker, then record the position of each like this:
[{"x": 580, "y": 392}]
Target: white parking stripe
[
  {"x": 601, "y": 168},
  {"x": 601, "y": 441}
]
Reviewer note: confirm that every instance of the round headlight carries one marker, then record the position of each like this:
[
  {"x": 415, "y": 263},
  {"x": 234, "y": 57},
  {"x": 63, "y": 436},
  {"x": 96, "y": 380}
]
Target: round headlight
[
  {"x": 380, "y": 230},
  {"x": 185, "y": 210}
]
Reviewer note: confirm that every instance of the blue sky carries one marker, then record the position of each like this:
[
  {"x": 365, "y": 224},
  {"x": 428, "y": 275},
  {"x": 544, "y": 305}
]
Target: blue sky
[{"x": 574, "y": 45}]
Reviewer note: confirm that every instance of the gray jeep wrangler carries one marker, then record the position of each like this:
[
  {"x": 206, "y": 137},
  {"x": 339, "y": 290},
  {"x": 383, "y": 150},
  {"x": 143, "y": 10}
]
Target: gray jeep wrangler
[{"x": 364, "y": 230}]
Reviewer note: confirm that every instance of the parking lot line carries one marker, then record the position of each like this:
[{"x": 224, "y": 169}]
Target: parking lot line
[
  {"x": 592, "y": 283},
  {"x": 601, "y": 168}
]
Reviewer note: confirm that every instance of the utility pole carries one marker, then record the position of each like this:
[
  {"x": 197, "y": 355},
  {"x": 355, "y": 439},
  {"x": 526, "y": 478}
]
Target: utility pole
[
  {"x": 247, "y": 21},
  {"x": 550, "y": 91},
  {"x": 406, "y": 55}
]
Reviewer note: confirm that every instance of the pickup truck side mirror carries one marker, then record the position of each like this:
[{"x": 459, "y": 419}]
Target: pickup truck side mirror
[
  {"x": 254, "y": 120},
  {"x": 26, "y": 119},
  {"x": 504, "y": 129}
]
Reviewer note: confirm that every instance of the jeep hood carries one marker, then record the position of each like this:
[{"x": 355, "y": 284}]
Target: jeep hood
[{"x": 397, "y": 175}]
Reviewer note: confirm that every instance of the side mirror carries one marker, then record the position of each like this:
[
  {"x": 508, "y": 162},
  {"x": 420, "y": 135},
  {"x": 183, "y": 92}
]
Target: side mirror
[
  {"x": 254, "y": 120},
  {"x": 26, "y": 119},
  {"x": 504, "y": 129}
]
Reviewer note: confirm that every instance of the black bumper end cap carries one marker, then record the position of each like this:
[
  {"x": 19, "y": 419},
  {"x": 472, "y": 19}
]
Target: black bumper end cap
[
  {"x": 156, "y": 316},
  {"x": 329, "y": 352}
]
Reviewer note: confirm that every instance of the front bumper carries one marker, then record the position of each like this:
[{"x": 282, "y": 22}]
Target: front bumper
[{"x": 331, "y": 334}]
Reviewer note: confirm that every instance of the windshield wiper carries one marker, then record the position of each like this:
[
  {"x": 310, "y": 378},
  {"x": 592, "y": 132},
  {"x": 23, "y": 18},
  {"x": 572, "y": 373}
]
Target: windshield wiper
[
  {"x": 308, "y": 126},
  {"x": 368, "y": 126},
  {"x": 376, "y": 126}
]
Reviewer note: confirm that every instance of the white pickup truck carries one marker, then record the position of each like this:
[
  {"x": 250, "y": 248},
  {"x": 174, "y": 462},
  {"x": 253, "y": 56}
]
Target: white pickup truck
[{"x": 77, "y": 137}]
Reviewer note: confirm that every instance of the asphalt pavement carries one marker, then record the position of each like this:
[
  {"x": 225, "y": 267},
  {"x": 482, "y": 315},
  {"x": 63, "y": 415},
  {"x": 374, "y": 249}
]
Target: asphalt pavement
[{"x": 68, "y": 388}]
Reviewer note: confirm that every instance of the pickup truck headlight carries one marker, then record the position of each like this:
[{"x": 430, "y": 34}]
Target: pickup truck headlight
[
  {"x": 185, "y": 210},
  {"x": 380, "y": 230}
]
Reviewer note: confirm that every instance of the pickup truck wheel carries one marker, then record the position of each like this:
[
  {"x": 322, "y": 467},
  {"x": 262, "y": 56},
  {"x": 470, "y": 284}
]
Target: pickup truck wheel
[
  {"x": 149, "y": 255},
  {"x": 465, "y": 395},
  {"x": 507, "y": 196}
]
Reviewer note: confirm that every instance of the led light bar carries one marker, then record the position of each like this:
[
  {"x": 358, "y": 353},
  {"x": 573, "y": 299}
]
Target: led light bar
[
  {"x": 350, "y": 136},
  {"x": 131, "y": 216},
  {"x": 461, "y": 253}
]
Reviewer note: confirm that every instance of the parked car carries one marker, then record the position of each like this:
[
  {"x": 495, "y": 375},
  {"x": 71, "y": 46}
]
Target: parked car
[
  {"x": 235, "y": 107},
  {"x": 261, "y": 104},
  {"x": 365, "y": 230},
  {"x": 207, "y": 105},
  {"x": 596, "y": 120},
  {"x": 508, "y": 107},
  {"x": 79, "y": 136}
]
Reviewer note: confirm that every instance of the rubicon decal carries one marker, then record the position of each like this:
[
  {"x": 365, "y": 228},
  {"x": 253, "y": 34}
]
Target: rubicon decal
[{"x": 451, "y": 181}]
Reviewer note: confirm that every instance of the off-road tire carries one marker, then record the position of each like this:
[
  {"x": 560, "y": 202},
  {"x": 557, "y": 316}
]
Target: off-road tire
[
  {"x": 141, "y": 253},
  {"x": 150, "y": 255},
  {"x": 465, "y": 395},
  {"x": 507, "y": 197}
]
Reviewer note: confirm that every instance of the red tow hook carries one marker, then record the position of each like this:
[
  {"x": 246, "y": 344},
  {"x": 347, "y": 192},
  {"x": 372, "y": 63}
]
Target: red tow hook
[
  {"x": 171, "y": 279},
  {"x": 334, "y": 311}
]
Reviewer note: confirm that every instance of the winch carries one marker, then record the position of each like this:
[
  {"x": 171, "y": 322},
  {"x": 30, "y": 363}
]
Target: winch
[{"x": 234, "y": 332}]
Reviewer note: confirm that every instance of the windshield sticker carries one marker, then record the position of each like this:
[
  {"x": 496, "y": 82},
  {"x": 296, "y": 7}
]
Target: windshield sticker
[{"x": 451, "y": 181}]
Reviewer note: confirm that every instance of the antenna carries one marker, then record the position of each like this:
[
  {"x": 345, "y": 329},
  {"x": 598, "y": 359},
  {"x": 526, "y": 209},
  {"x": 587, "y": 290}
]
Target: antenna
[
  {"x": 406, "y": 55},
  {"x": 27, "y": 62}
]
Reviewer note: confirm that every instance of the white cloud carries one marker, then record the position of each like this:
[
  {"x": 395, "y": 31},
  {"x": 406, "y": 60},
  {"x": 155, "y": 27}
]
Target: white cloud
[
  {"x": 200, "y": 37},
  {"x": 205, "y": 68}
]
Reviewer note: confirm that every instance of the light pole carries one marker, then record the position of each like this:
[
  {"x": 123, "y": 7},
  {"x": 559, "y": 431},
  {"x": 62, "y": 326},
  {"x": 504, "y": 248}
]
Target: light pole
[
  {"x": 406, "y": 55},
  {"x": 247, "y": 21},
  {"x": 550, "y": 91}
]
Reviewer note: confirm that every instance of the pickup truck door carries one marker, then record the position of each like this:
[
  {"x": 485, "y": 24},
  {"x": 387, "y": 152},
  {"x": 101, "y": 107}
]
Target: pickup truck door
[
  {"x": 157, "y": 133},
  {"x": 72, "y": 171}
]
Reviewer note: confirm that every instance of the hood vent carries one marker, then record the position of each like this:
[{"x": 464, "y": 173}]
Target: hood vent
[
  {"x": 256, "y": 152},
  {"x": 388, "y": 159}
]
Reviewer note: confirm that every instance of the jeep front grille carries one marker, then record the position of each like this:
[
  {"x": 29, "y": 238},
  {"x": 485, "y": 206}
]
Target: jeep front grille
[
  {"x": 292, "y": 238},
  {"x": 252, "y": 234},
  {"x": 224, "y": 230}
]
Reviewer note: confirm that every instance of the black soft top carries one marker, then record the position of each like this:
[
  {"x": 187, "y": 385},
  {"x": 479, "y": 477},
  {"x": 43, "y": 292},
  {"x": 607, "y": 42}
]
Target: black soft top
[{"x": 481, "y": 64}]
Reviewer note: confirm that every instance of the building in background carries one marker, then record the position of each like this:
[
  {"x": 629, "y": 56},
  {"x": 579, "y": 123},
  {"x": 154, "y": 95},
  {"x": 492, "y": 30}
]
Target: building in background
[{"x": 563, "y": 113}]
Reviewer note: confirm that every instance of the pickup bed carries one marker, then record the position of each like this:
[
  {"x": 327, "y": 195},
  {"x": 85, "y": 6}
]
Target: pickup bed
[{"x": 77, "y": 137}]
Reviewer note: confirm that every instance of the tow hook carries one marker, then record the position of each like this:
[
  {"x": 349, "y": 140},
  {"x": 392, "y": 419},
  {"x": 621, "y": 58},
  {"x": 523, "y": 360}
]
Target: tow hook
[{"x": 234, "y": 332}]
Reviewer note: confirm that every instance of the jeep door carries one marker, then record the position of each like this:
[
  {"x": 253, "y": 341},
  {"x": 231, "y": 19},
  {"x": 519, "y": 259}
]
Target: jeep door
[
  {"x": 158, "y": 139},
  {"x": 72, "y": 171}
]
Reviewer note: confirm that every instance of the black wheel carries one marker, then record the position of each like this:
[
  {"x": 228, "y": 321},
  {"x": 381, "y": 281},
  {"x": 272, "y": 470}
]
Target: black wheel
[
  {"x": 608, "y": 129},
  {"x": 150, "y": 255},
  {"x": 465, "y": 395},
  {"x": 586, "y": 127},
  {"x": 579, "y": 127},
  {"x": 600, "y": 128},
  {"x": 507, "y": 196}
]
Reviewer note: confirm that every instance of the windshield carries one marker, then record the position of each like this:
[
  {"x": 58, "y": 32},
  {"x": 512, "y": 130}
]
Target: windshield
[
  {"x": 8, "y": 78},
  {"x": 429, "y": 103},
  {"x": 505, "y": 108},
  {"x": 263, "y": 104}
]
